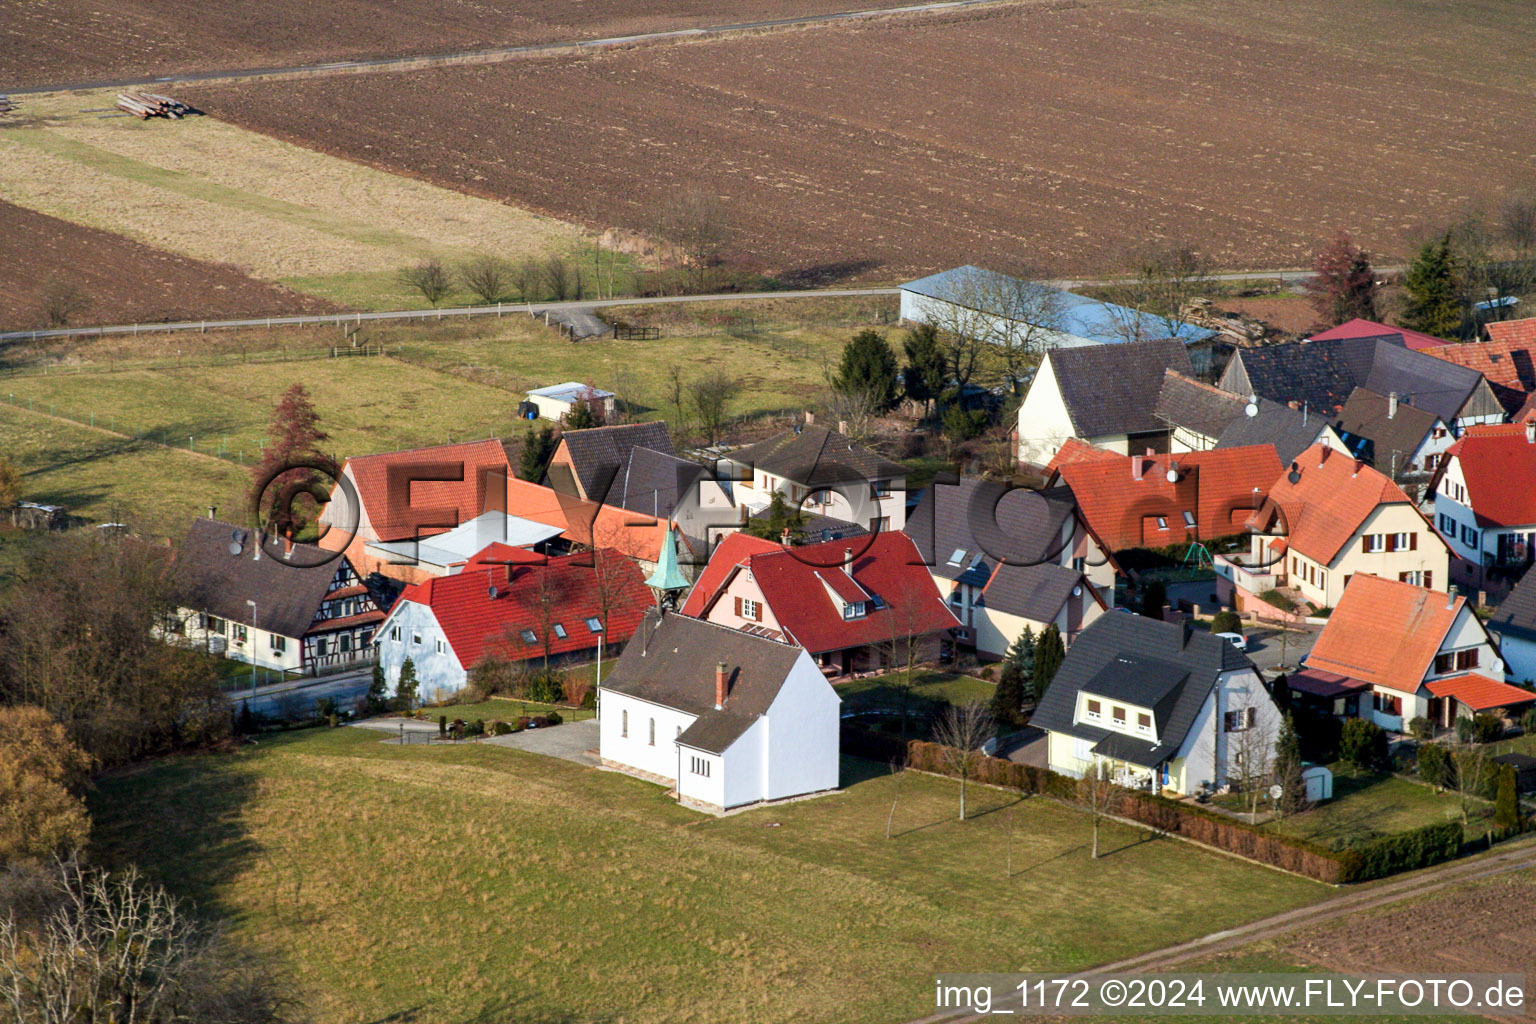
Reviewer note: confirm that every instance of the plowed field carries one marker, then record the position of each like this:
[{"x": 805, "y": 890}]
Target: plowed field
[{"x": 1051, "y": 133}]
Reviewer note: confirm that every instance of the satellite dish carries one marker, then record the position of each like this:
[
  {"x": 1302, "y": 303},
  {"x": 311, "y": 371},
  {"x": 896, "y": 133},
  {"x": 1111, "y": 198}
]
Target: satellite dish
[
  {"x": 1077, "y": 591},
  {"x": 1251, "y": 409},
  {"x": 1275, "y": 791},
  {"x": 494, "y": 592},
  {"x": 1293, "y": 476},
  {"x": 235, "y": 547}
]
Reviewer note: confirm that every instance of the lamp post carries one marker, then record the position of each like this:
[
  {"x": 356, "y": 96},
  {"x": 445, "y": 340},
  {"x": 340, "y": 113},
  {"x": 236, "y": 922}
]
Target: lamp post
[{"x": 253, "y": 646}]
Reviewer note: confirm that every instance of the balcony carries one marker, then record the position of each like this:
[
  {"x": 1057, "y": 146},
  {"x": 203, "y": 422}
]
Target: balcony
[{"x": 1253, "y": 580}]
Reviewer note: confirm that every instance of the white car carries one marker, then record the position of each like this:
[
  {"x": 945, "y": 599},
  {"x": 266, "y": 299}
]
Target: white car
[{"x": 1235, "y": 639}]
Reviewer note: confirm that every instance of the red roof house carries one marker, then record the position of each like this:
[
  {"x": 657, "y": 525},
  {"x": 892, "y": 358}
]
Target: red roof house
[
  {"x": 1358, "y": 328},
  {"x": 852, "y": 604},
  {"x": 1507, "y": 360},
  {"x": 1150, "y": 501},
  {"x": 1496, "y": 464},
  {"x": 1514, "y": 332},
  {"x": 511, "y": 604}
]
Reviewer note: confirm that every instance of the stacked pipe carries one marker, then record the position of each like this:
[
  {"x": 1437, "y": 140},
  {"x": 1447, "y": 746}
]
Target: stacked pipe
[{"x": 147, "y": 104}]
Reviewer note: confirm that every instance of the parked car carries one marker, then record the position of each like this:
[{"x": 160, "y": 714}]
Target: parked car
[{"x": 1235, "y": 639}]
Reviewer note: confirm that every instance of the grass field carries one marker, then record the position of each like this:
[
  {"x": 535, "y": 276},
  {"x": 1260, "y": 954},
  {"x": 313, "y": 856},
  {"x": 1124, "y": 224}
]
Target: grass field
[
  {"x": 214, "y": 192},
  {"x": 480, "y": 883}
]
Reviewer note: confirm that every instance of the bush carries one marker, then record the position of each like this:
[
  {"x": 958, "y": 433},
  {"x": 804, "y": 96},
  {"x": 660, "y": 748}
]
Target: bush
[
  {"x": 589, "y": 701},
  {"x": 1435, "y": 765},
  {"x": 1278, "y": 600},
  {"x": 1528, "y": 723},
  {"x": 1420, "y": 729},
  {"x": 986, "y": 673},
  {"x": 1486, "y": 728},
  {"x": 1406, "y": 851},
  {"x": 1506, "y": 805},
  {"x": 554, "y": 718},
  {"x": 1363, "y": 744},
  {"x": 963, "y": 424},
  {"x": 1153, "y": 596},
  {"x": 520, "y": 724},
  {"x": 475, "y": 728},
  {"x": 1226, "y": 622},
  {"x": 546, "y": 688},
  {"x": 575, "y": 689},
  {"x": 500, "y": 728}
]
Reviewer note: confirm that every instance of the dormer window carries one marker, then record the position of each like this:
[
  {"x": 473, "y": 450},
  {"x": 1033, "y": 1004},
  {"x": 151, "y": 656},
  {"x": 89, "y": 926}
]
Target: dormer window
[
  {"x": 1189, "y": 520},
  {"x": 1095, "y": 709},
  {"x": 853, "y": 610},
  {"x": 958, "y": 557},
  {"x": 1144, "y": 723},
  {"x": 1118, "y": 714},
  {"x": 1162, "y": 523}
]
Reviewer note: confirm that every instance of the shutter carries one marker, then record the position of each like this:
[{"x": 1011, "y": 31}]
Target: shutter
[
  {"x": 1413, "y": 541},
  {"x": 738, "y": 607},
  {"x": 1391, "y": 542},
  {"x": 1429, "y": 580},
  {"x": 1365, "y": 544},
  {"x": 757, "y": 611},
  {"x": 1253, "y": 717}
]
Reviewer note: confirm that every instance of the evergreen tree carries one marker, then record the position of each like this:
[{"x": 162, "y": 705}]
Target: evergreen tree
[
  {"x": 405, "y": 689},
  {"x": 1153, "y": 596},
  {"x": 1008, "y": 698},
  {"x": 923, "y": 375},
  {"x": 581, "y": 416},
  {"x": 1432, "y": 288},
  {"x": 295, "y": 438},
  {"x": 1343, "y": 285},
  {"x": 1293, "y": 789},
  {"x": 245, "y": 721},
  {"x": 781, "y": 516},
  {"x": 867, "y": 374},
  {"x": 1022, "y": 653},
  {"x": 1506, "y": 803},
  {"x": 538, "y": 447},
  {"x": 1050, "y": 652},
  {"x": 378, "y": 689}
]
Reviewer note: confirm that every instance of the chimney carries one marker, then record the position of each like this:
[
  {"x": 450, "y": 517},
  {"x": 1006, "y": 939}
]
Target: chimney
[
  {"x": 1450, "y": 598},
  {"x": 721, "y": 674},
  {"x": 842, "y": 427},
  {"x": 1293, "y": 404},
  {"x": 211, "y": 510},
  {"x": 1530, "y": 431},
  {"x": 1188, "y": 630},
  {"x": 287, "y": 548},
  {"x": 1359, "y": 464},
  {"x": 848, "y": 561},
  {"x": 1138, "y": 467},
  {"x": 1392, "y": 405},
  {"x": 784, "y": 537}
]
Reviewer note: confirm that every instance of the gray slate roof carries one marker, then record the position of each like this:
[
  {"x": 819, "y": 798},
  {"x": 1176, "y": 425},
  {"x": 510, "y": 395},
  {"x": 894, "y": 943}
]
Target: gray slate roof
[
  {"x": 1193, "y": 405},
  {"x": 1291, "y": 431},
  {"x": 1144, "y": 662},
  {"x": 654, "y": 482},
  {"x": 1516, "y": 617},
  {"x": 1374, "y": 437},
  {"x": 1034, "y": 591},
  {"x": 671, "y": 661},
  {"x": 600, "y": 454},
  {"x": 1113, "y": 389},
  {"x": 288, "y": 592},
  {"x": 989, "y": 520},
  {"x": 817, "y": 457}
]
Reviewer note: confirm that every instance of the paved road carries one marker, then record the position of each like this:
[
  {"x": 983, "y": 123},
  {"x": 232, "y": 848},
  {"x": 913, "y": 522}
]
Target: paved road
[
  {"x": 299, "y": 696},
  {"x": 1264, "y": 646},
  {"x": 491, "y": 55},
  {"x": 1518, "y": 856}
]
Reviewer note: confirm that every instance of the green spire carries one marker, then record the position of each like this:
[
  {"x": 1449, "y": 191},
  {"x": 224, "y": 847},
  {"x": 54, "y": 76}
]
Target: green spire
[{"x": 667, "y": 575}]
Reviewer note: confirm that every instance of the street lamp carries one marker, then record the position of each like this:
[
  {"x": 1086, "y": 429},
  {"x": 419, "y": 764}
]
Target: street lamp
[{"x": 253, "y": 646}]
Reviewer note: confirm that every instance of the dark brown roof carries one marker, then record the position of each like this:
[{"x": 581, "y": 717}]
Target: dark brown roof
[
  {"x": 1113, "y": 389},
  {"x": 654, "y": 482},
  {"x": 816, "y": 457},
  {"x": 1375, "y": 436},
  {"x": 287, "y": 591},
  {"x": 1196, "y": 406},
  {"x": 671, "y": 661},
  {"x": 599, "y": 455}
]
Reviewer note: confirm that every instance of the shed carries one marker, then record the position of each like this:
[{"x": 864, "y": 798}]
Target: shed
[
  {"x": 556, "y": 401},
  {"x": 1318, "y": 782}
]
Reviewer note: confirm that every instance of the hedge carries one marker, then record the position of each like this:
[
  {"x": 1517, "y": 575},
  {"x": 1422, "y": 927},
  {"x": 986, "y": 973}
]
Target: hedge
[
  {"x": 1375, "y": 859},
  {"x": 876, "y": 746}
]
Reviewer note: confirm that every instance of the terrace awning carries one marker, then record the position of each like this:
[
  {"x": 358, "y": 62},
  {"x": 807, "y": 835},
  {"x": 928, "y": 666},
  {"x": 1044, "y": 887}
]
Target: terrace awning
[
  {"x": 1324, "y": 685},
  {"x": 1480, "y": 693}
]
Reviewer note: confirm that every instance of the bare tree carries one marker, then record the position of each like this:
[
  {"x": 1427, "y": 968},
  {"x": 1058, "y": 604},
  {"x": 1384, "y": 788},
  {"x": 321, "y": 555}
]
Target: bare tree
[
  {"x": 62, "y": 300},
  {"x": 984, "y": 313},
  {"x": 710, "y": 394},
  {"x": 1251, "y": 753},
  {"x": 557, "y": 278},
  {"x": 960, "y": 732},
  {"x": 897, "y": 773},
  {"x": 1100, "y": 795},
  {"x": 1517, "y": 221},
  {"x": 696, "y": 225},
  {"x": 676, "y": 389},
  {"x": 1474, "y": 772},
  {"x": 485, "y": 276},
  {"x": 429, "y": 277},
  {"x": 528, "y": 279},
  {"x": 549, "y": 596},
  {"x": 1160, "y": 280}
]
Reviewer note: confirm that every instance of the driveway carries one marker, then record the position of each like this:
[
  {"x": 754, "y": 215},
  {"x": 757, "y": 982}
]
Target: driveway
[
  {"x": 573, "y": 741},
  {"x": 1264, "y": 646}
]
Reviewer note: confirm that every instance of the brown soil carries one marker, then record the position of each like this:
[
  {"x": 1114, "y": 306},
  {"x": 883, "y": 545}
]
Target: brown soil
[
  {"x": 64, "y": 41},
  {"x": 125, "y": 281},
  {"x": 1041, "y": 133},
  {"x": 1286, "y": 314}
]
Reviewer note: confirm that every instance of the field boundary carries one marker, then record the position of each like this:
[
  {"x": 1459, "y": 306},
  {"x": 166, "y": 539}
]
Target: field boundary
[{"x": 498, "y": 54}]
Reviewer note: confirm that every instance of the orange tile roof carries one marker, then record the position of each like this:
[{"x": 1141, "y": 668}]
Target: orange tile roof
[
  {"x": 1220, "y": 489},
  {"x": 419, "y": 508},
  {"x": 1075, "y": 449},
  {"x": 1522, "y": 332},
  {"x": 1385, "y": 632},
  {"x": 1480, "y": 693},
  {"x": 1332, "y": 496},
  {"x": 1499, "y": 466}
]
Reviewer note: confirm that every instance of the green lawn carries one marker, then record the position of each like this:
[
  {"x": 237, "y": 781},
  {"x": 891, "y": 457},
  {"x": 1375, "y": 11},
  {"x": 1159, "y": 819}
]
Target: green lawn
[
  {"x": 930, "y": 694},
  {"x": 1369, "y": 806},
  {"x": 482, "y": 883},
  {"x": 505, "y": 709}
]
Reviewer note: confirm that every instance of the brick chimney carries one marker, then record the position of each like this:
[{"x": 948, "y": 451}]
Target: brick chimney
[
  {"x": 1138, "y": 467},
  {"x": 721, "y": 675}
]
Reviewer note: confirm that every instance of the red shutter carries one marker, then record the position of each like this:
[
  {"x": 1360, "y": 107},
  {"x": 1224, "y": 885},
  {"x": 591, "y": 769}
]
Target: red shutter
[
  {"x": 1413, "y": 541},
  {"x": 757, "y": 611},
  {"x": 738, "y": 607},
  {"x": 1365, "y": 544},
  {"x": 1429, "y": 580},
  {"x": 1391, "y": 542}
]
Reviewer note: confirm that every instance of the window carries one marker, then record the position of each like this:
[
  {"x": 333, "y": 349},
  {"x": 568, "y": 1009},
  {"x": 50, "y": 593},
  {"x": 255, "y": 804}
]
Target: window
[
  {"x": 1189, "y": 520},
  {"x": 1386, "y": 703},
  {"x": 1095, "y": 709},
  {"x": 1079, "y": 563},
  {"x": 822, "y": 497},
  {"x": 957, "y": 557},
  {"x": 853, "y": 610},
  {"x": 215, "y": 625},
  {"x": 529, "y": 636},
  {"x": 416, "y": 639},
  {"x": 652, "y": 740},
  {"x": 1240, "y": 720},
  {"x": 1144, "y": 722},
  {"x": 1375, "y": 542},
  {"x": 1466, "y": 660},
  {"x": 1118, "y": 714},
  {"x": 1439, "y": 432},
  {"x": 595, "y": 625},
  {"x": 559, "y": 630},
  {"x": 962, "y": 634},
  {"x": 1447, "y": 525},
  {"x": 880, "y": 489},
  {"x": 1469, "y": 537},
  {"x": 879, "y": 524},
  {"x": 279, "y": 644},
  {"x": 394, "y": 633},
  {"x": 749, "y": 609},
  {"x": 699, "y": 766},
  {"x": 1322, "y": 580},
  {"x": 1162, "y": 522},
  {"x": 442, "y": 647},
  {"x": 320, "y": 647},
  {"x": 1412, "y": 576},
  {"x": 238, "y": 634},
  {"x": 346, "y": 642},
  {"x": 624, "y": 724}
]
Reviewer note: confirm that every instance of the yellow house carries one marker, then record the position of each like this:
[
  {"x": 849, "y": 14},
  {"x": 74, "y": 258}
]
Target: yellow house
[{"x": 1330, "y": 517}]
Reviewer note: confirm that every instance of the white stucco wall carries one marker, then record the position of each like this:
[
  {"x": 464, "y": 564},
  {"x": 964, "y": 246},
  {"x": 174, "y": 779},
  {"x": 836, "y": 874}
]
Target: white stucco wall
[
  {"x": 1519, "y": 657},
  {"x": 802, "y": 734},
  {"x": 1043, "y": 422},
  {"x": 709, "y": 788},
  {"x": 438, "y": 675},
  {"x": 636, "y": 749}
]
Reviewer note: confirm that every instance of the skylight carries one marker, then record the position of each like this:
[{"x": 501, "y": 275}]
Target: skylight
[{"x": 957, "y": 557}]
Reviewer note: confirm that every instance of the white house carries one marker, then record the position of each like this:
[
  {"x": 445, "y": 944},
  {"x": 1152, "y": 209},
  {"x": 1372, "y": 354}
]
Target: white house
[
  {"x": 1162, "y": 705},
  {"x": 726, "y": 718},
  {"x": 1485, "y": 501},
  {"x": 556, "y": 401},
  {"x": 822, "y": 472},
  {"x": 1514, "y": 627}
]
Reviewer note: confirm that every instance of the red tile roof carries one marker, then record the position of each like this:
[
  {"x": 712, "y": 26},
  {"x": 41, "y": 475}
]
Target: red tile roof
[
  {"x": 1358, "y": 328},
  {"x": 1508, "y": 362},
  {"x": 1518, "y": 332},
  {"x": 476, "y": 624},
  {"x": 1385, "y": 632},
  {"x": 735, "y": 550},
  {"x": 1332, "y": 497},
  {"x": 885, "y": 565},
  {"x": 1075, "y": 449},
  {"x": 1220, "y": 489},
  {"x": 1480, "y": 693},
  {"x": 1499, "y": 467},
  {"x": 405, "y": 513}
]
